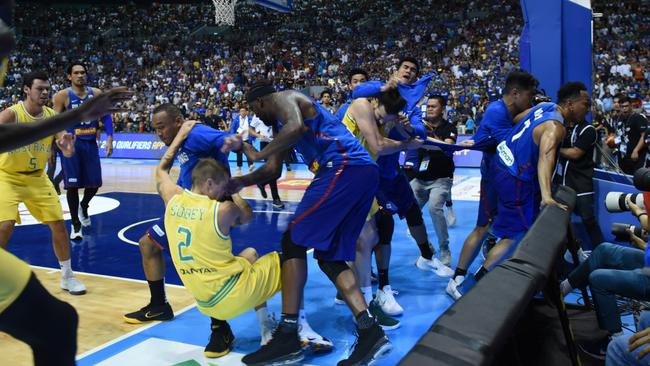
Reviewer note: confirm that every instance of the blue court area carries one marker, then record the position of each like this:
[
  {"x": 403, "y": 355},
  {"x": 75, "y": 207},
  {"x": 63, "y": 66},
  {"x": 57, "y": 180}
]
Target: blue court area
[{"x": 108, "y": 249}]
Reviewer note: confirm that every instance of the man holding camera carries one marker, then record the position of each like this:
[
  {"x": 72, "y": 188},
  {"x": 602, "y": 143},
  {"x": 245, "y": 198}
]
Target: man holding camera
[
  {"x": 613, "y": 270},
  {"x": 575, "y": 169}
]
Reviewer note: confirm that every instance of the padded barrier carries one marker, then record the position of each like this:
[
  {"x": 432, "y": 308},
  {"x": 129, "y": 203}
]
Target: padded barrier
[{"x": 475, "y": 328}]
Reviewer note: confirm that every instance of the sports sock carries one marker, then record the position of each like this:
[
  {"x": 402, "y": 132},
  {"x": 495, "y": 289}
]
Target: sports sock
[
  {"x": 425, "y": 250},
  {"x": 157, "y": 290},
  {"x": 480, "y": 273},
  {"x": 460, "y": 272},
  {"x": 382, "y": 277},
  {"x": 365, "y": 320},
  {"x": 66, "y": 269}
]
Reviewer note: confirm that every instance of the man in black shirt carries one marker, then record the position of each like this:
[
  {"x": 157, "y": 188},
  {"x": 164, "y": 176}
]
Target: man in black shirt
[
  {"x": 435, "y": 172},
  {"x": 630, "y": 136},
  {"x": 576, "y": 169}
]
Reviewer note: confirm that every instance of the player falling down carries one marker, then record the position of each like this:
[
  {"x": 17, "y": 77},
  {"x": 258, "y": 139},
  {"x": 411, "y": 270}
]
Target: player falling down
[
  {"x": 370, "y": 120},
  {"x": 329, "y": 217},
  {"x": 198, "y": 222}
]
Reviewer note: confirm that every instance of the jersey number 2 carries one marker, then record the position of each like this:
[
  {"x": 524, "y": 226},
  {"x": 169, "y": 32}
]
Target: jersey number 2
[{"x": 185, "y": 244}]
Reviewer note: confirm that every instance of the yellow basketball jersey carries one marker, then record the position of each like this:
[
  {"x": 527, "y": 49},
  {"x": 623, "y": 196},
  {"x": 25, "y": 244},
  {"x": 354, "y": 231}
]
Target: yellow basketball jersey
[
  {"x": 202, "y": 255},
  {"x": 14, "y": 275},
  {"x": 353, "y": 127},
  {"x": 30, "y": 158}
]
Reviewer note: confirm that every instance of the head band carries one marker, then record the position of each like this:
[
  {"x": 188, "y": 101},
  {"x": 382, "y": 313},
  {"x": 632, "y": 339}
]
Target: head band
[{"x": 259, "y": 92}]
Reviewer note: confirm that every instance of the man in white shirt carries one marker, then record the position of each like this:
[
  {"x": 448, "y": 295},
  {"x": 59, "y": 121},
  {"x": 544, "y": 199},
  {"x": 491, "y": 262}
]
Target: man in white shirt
[{"x": 240, "y": 126}]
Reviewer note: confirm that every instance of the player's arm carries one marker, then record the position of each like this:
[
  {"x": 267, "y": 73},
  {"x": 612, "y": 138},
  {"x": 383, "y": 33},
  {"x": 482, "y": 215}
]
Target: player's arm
[
  {"x": 107, "y": 120},
  {"x": 14, "y": 135},
  {"x": 60, "y": 101},
  {"x": 271, "y": 170},
  {"x": 552, "y": 134},
  {"x": 363, "y": 113},
  {"x": 164, "y": 184},
  {"x": 235, "y": 213},
  {"x": 293, "y": 128}
]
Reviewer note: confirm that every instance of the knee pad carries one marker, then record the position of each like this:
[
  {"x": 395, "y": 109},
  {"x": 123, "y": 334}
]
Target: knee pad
[
  {"x": 414, "y": 216},
  {"x": 290, "y": 250},
  {"x": 385, "y": 227},
  {"x": 333, "y": 269}
]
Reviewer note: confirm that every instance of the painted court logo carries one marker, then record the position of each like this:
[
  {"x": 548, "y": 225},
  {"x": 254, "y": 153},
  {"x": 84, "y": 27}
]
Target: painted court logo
[{"x": 98, "y": 205}]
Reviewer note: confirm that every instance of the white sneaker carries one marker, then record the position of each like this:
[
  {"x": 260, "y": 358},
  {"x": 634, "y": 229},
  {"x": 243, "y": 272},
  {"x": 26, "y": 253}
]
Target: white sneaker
[
  {"x": 266, "y": 330},
  {"x": 445, "y": 256},
  {"x": 583, "y": 255},
  {"x": 73, "y": 286},
  {"x": 315, "y": 342},
  {"x": 434, "y": 265},
  {"x": 85, "y": 220},
  {"x": 451, "y": 216},
  {"x": 452, "y": 287},
  {"x": 74, "y": 234},
  {"x": 387, "y": 301}
]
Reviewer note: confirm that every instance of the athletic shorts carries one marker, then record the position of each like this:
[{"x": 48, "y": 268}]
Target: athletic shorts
[
  {"x": 333, "y": 210},
  {"x": 35, "y": 190},
  {"x": 395, "y": 195},
  {"x": 517, "y": 204},
  {"x": 156, "y": 232},
  {"x": 83, "y": 169},
  {"x": 257, "y": 283},
  {"x": 487, "y": 206}
]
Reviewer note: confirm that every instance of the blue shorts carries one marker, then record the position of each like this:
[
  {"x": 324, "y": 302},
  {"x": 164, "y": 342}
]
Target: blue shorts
[
  {"x": 396, "y": 195},
  {"x": 157, "y": 233},
  {"x": 518, "y": 204},
  {"x": 487, "y": 206},
  {"x": 83, "y": 169},
  {"x": 331, "y": 214}
]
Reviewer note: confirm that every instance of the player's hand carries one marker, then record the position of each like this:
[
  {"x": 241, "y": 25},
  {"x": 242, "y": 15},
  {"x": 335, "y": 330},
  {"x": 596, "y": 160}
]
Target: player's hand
[
  {"x": 185, "y": 129},
  {"x": 404, "y": 122},
  {"x": 104, "y": 103},
  {"x": 232, "y": 143},
  {"x": 549, "y": 201},
  {"x": 639, "y": 339},
  {"x": 391, "y": 83},
  {"x": 466, "y": 143},
  {"x": 635, "y": 155},
  {"x": 109, "y": 146},
  {"x": 234, "y": 185},
  {"x": 66, "y": 144}
]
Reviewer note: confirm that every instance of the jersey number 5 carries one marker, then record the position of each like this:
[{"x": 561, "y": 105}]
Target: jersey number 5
[{"x": 184, "y": 244}]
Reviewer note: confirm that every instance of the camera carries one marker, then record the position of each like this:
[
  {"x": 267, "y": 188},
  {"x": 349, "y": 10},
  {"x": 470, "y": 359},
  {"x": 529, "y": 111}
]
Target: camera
[
  {"x": 615, "y": 201},
  {"x": 540, "y": 97},
  {"x": 642, "y": 179},
  {"x": 620, "y": 231}
]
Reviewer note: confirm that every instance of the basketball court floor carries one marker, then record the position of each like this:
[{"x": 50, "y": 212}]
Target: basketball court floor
[{"x": 108, "y": 261}]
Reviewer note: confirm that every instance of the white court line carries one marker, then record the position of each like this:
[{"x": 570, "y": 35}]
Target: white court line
[
  {"x": 129, "y": 334},
  {"x": 121, "y": 236},
  {"x": 54, "y": 270}
]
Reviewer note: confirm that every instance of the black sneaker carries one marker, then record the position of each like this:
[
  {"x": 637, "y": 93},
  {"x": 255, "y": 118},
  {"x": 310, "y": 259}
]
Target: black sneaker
[
  {"x": 278, "y": 204},
  {"x": 283, "y": 348},
  {"x": 596, "y": 349},
  {"x": 262, "y": 191},
  {"x": 371, "y": 344},
  {"x": 220, "y": 343},
  {"x": 150, "y": 313}
]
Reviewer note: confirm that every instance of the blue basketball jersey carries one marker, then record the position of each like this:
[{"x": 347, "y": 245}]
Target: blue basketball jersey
[
  {"x": 518, "y": 153},
  {"x": 202, "y": 142},
  {"x": 493, "y": 129},
  {"x": 86, "y": 130},
  {"x": 329, "y": 143}
]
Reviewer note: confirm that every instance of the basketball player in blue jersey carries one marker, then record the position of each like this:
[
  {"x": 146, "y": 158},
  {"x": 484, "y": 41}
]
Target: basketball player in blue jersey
[
  {"x": 356, "y": 77},
  {"x": 83, "y": 169},
  {"x": 329, "y": 217},
  {"x": 525, "y": 164},
  {"x": 495, "y": 125},
  {"x": 395, "y": 194}
]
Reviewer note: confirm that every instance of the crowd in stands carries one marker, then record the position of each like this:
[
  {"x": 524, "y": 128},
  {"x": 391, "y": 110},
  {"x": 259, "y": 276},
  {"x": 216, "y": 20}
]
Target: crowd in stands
[{"x": 162, "y": 52}]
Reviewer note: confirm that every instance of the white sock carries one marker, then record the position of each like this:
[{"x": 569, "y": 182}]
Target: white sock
[
  {"x": 459, "y": 279},
  {"x": 302, "y": 316},
  {"x": 367, "y": 294},
  {"x": 66, "y": 269},
  {"x": 565, "y": 287},
  {"x": 262, "y": 314}
]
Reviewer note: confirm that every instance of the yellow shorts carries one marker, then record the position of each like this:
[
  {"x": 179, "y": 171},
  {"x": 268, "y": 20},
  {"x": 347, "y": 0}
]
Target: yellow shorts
[
  {"x": 373, "y": 210},
  {"x": 36, "y": 191},
  {"x": 257, "y": 283}
]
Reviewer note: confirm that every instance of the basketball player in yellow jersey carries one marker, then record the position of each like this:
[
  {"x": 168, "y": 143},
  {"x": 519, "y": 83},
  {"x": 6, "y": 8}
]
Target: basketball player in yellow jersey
[
  {"x": 23, "y": 178},
  {"x": 369, "y": 120},
  {"x": 198, "y": 228}
]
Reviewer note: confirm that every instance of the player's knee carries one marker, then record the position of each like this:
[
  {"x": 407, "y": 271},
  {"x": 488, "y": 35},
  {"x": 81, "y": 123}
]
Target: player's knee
[
  {"x": 290, "y": 250},
  {"x": 333, "y": 269},
  {"x": 414, "y": 216},
  {"x": 148, "y": 247}
]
